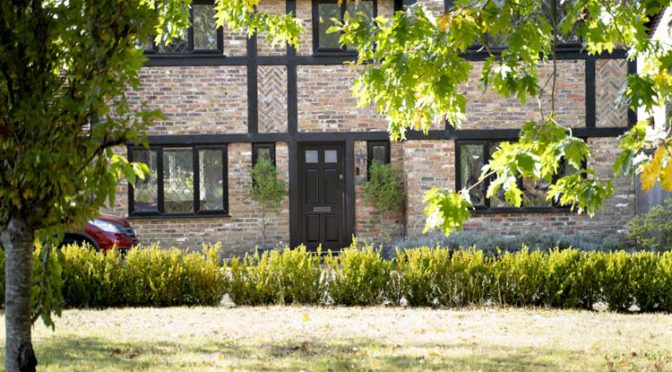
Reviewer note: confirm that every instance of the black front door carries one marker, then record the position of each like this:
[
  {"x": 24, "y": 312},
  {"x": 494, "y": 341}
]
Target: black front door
[{"x": 322, "y": 195}]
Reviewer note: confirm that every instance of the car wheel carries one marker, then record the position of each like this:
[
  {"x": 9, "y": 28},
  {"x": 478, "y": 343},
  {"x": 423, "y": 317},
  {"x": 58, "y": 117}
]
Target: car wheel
[{"x": 80, "y": 241}]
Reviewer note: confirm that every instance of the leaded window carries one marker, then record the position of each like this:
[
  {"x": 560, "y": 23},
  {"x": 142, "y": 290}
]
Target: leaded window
[
  {"x": 183, "y": 180},
  {"x": 473, "y": 155},
  {"x": 324, "y": 14}
]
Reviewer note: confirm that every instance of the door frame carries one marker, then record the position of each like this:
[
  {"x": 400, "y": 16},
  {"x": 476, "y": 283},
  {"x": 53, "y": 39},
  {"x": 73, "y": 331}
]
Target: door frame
[{"x": 295, "y": 227}]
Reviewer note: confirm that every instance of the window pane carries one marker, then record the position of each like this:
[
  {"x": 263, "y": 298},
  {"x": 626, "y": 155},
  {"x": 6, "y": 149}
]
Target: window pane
[
  {"x": 205, "y": 27},
  {"x": 354, "y": 8},
  {"x": 145, "y": 192},
  {"x": 326, "y": 12},
  {"x": 363, "y": 6},
  {"x": 561, "y": 13},
  {"x": 211, "y": 181},
  {"x": 263, "y": 153},
  {"x": 311, "y": 156},
  {"x": 498, "y": 200},
  {"x": 379, "y": 153},
  {"x": 178, "y": 45},
  {"x": 471, "y": 162},
  {"x": 534, "y": 193},
  {"x": 330, "y": 156},
  {"x": 178, "y": 181}
]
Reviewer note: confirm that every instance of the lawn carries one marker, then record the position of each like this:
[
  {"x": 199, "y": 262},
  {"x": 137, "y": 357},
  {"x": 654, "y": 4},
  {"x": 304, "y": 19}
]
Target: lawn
[{"x": 326, "y": 338}]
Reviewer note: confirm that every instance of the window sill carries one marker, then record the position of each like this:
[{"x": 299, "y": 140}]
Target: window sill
[
  {"x": 488, "y": 211},
  {"x": 335, "y": 53},
  {"x": 185, "y": 55},
  {"x": 175, "y": 216}
]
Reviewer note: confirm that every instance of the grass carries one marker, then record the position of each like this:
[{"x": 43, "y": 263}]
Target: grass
[{"x": 336, "y": 338}]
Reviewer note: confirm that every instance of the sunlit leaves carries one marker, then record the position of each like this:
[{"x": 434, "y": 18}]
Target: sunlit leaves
[
  {"x": 243, "y": 15},
  {"x": 583, "y": 192},
  {"x": 416, "y": 71},
  {"x": 446, "y": 209}
]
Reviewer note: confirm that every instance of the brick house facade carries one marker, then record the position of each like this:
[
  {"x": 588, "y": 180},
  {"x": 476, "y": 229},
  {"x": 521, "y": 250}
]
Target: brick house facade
[{"x": 225, "y": 104}]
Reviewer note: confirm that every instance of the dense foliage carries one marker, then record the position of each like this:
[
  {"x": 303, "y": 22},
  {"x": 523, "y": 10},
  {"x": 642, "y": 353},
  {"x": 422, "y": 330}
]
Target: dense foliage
[
  {"x": 146, "y": 276},
  {"x": 360, "y": 276},
  {"x": 438, "y": 277},
  {"x": 653, "y": 229},
  {"x": 276, "y": 277},
  {"x": 416, "y": 64}
]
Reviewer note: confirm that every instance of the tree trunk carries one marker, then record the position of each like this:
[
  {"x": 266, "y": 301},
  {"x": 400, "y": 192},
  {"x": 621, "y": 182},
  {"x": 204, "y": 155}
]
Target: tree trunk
[{"x": 18, "y": 240}]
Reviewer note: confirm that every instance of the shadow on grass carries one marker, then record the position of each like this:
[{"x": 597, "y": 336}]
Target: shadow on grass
[{"x": 69, "y": 353}]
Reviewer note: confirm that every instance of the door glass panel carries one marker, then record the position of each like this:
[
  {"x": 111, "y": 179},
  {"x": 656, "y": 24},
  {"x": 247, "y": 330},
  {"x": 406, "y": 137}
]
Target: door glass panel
[
  {"x": 311, "y": 156},
  {"x": 211, "y": 186},
  {"x": 178, "y": 180},
  {"x": 331, "y": 156}
]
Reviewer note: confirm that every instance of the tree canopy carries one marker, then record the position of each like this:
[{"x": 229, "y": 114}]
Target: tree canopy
[{"x": 416, "y": 62}]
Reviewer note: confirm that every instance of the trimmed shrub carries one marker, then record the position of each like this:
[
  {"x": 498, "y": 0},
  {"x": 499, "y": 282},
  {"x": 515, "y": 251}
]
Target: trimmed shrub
[
  {"x": 419, "y": 273},
  {"x": 469, "y": 280},
  {"x": 519, "y": 278},
  {"x": 664, "y": 272},
  {"x": 360, "y": 276},
  {"x": 290, "y": 276},
  {"x": 146, "y": 276},
  {"x": 251, "y": 282},
  {"x": 563, "y": 280},
  {"x": 357, "y": 276}
]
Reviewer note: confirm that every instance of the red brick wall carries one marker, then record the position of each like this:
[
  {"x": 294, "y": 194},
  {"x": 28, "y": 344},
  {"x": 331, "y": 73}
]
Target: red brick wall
[
  {"x": 368, "y": 220},
  {"x": 326, "y": 104},
  {"x": 195, "y": 99},
  {"x": 240, "y": 232},
  {"x": 429, "y": 163},
  {"x": 487, "y": 110},
  {"x": 213, "y": 100}
]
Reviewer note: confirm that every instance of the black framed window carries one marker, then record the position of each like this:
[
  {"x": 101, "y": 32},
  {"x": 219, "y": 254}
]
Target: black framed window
[
  {"x": 377, "y": 150},
  {"x": 553, "y": 10},
  {"x": 183, "y": 181},
  {"x": 324, "y": 11},
  {"x": 471, "y": 156},
  {"x": 203, "y": 37},
  {"x": 263, "y": 150}
]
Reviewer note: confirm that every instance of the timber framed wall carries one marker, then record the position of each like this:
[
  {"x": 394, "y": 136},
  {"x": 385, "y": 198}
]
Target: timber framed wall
[{"x": 256, "y": 94}]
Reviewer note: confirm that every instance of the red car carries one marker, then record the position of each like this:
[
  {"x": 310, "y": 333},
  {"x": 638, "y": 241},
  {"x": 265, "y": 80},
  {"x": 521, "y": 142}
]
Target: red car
[{"x": 103, "y": 233}]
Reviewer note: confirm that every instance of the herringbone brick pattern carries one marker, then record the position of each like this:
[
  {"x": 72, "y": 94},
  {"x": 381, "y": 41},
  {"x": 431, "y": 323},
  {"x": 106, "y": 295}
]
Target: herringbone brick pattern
[
  {"x": 272, "y": 106},
  {"x": 609, "y": 82}
]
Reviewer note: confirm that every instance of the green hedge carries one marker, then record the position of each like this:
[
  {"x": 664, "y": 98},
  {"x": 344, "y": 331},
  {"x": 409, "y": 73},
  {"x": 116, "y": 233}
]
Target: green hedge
[
  {"x": 147, "y": 276},
  {"x": 438, "y": 277},
  {"x": 361, "y": 276}
]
